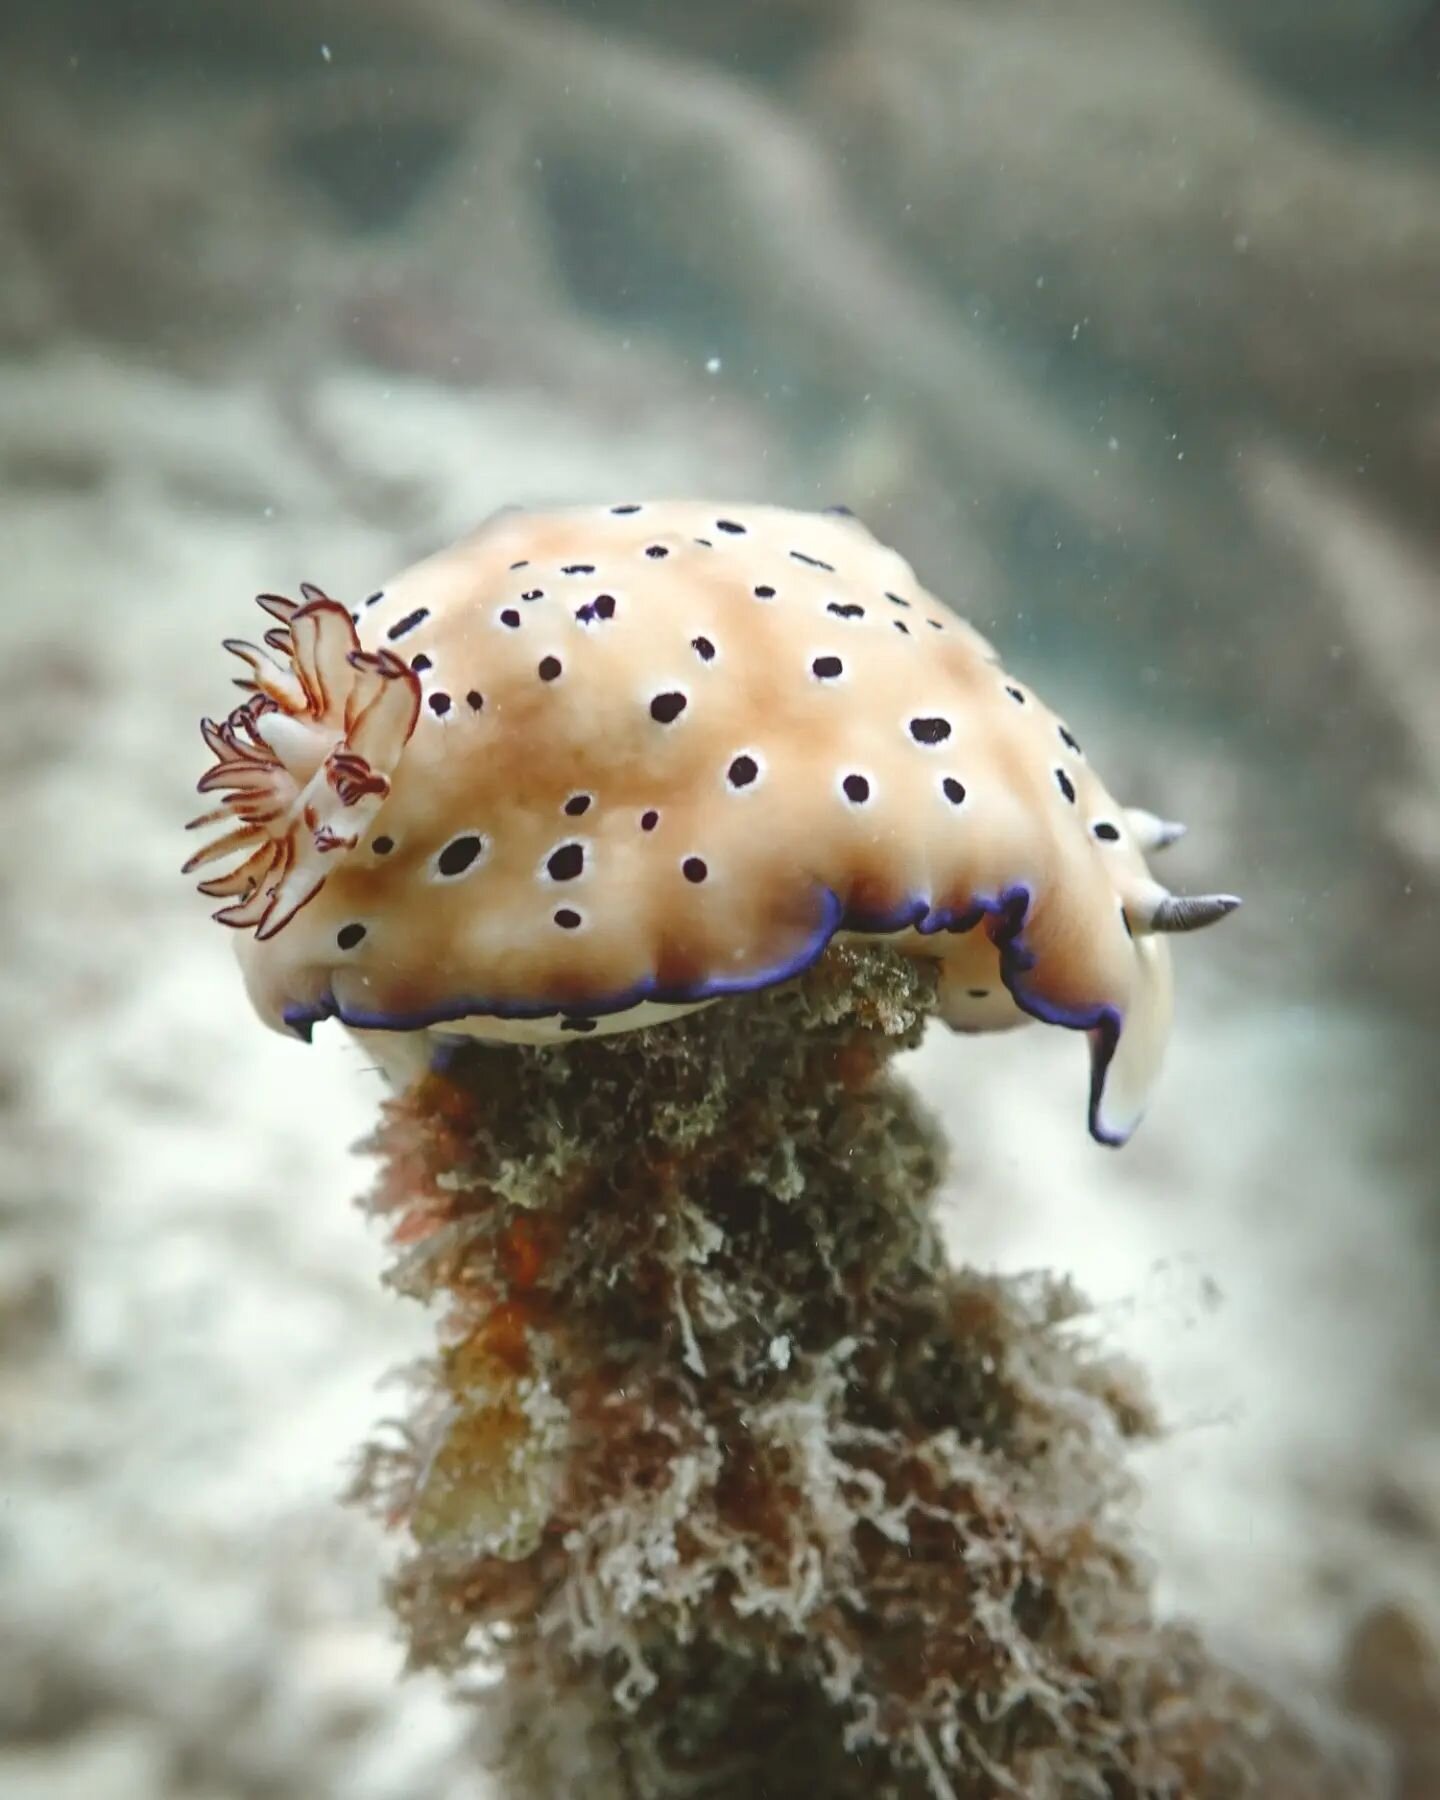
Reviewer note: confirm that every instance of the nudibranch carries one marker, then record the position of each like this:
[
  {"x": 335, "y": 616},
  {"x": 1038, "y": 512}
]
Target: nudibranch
[{"x": 591, "y": 767}]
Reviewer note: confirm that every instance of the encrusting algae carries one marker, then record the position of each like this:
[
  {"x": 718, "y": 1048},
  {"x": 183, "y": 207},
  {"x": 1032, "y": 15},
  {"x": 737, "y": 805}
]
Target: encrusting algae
[
  {"x": 633, "y": 882},
  {"x": 743, "y": 1489}
]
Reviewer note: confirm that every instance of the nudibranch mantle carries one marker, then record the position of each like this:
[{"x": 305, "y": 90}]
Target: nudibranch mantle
[{"x": 589, "y": 767}]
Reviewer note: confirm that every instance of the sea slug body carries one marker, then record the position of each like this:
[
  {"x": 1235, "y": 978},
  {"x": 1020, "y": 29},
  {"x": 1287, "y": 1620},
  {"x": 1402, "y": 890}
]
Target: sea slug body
[{"x": 589, "y": 767}]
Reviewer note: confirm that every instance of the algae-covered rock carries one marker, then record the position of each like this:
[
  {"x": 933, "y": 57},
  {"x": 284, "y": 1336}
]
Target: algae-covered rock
[{"x": 723, "y": 1467}]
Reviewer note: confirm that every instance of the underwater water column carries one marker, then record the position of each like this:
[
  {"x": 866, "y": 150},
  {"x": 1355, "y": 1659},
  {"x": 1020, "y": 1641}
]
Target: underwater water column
[{"x": 735, "y": 1483}]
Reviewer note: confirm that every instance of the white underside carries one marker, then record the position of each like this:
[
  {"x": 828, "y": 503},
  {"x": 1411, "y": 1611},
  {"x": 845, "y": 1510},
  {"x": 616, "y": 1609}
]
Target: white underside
[{"x": 402, "y": 1056}]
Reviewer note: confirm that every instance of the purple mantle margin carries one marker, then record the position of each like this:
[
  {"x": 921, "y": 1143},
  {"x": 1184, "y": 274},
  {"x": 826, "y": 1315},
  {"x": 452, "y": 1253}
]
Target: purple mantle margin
[{"x": 1007, "y": 912}]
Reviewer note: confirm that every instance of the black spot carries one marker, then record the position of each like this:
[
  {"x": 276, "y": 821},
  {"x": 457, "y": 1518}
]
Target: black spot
[
  {"x": 1015, "y": 695},
  {"x": 354, "y": 618},
  {"x": 549, "y": 669},
  {"x": 900, "y": 625},
  {"x": 812, "y": 562},
  {"x": 857, "y": 789},
  {"x": 420, "y": 663},
  {"x": 567, "y": 918},
  {"x": 577, "y": 804},
  {"x": 604, "y": 606},
  {"x": 578, "y": 569},
  {"x": 930, "y": 730},
  {"x": 953, "y": 790},
  {"x": 704, "y": 543},
  {"x": 649, "y": 820},
  {"x": 730, "y": 526},
  {"x": 827, "y": 668},
  {"x": 566, "y": 863},
  {"x": 694, "y": 869},
  {"x": 475, "y": 700},
  {"x": 1065, "y": 785},
  {"x": 764, "y": 593},
  {"x": 383, "y": 846},
  {"x": 408, "y": 623},
  {"x": 375, "y": 598},
  {"x": 1125, "y": 921},
  {"x": 742, "y": 771},
  {"x": 1068, "y": 738},
  {"x": 656, "y": 551},
  {"x": 1110, "y": 833},
  {"x": 511, "y": 618},
  {"x": 348, "y": 936},
  {"x": 440, "y": 704},
  {"x": 575, "y": 1024},
  {"x": 844, "y": 512},
  {"x": 934, "y": 624},
  {"x": 895, "y": 599},
  {"x": 533, "y": 594},
  {"x": 625, "y": 509},
  {"x": 458, "y": 855},
  {"x": 845, "y": 610},
  {"x": 703, "y": 648},
  {"x": 978, "y": 993},
  {"x": 524, "y": 563},
  {"x": 666, "y": 708}
]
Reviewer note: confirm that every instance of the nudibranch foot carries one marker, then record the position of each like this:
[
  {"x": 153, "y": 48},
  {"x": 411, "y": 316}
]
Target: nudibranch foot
[{"x": 588, "y": 767}]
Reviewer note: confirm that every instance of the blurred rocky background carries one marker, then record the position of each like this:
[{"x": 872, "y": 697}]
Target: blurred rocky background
[{"x": 1122, "y": 319}]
